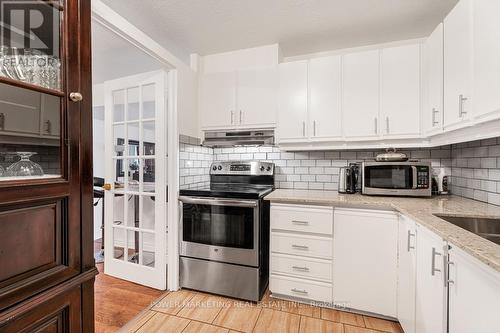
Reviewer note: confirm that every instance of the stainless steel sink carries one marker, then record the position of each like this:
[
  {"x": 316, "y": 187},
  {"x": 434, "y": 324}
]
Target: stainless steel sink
[{"x": 484, "y": 227}]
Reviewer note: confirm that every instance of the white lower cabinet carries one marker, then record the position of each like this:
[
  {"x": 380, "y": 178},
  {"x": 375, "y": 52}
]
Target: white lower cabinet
[
  {"x": 474, "y": 295},
  {"x": 407, "y": 269},
  {"x": 365, "y": 260},
  {"x": 430, "y": 278}
]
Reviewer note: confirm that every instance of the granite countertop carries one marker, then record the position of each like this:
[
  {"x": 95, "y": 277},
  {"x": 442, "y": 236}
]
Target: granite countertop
[{"x": 420, "y": 210}]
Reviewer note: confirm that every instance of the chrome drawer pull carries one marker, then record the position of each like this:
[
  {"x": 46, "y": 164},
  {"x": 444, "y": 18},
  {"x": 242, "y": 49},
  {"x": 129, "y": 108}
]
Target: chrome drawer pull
[
  {"x": 303, "y": 269},
  {"x": 299, "y": 291},
  {"x": 300, "y": 222},
  {"x": 300, "y": 247}
]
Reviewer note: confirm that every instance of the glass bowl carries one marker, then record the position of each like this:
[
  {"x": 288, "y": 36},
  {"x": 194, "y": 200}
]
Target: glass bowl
[{"x": 24, "y": 167}]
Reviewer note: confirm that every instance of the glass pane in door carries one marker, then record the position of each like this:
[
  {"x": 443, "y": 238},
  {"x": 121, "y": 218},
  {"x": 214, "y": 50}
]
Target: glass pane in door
[
  {"x": 27, "y": 54},
  {"x": 30, "y": 134},
  {"x": 148, "y": 101}
]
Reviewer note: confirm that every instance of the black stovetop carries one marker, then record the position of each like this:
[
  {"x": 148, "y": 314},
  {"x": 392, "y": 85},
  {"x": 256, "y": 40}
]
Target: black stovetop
[{"x": 236, "y": 191}]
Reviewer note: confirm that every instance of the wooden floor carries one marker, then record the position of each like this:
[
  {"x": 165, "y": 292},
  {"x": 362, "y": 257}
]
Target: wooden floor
[
  {"x": 135, "y": 308},
  {"x": 118, "y": 301},
  {"x": 195, "y": 312}
]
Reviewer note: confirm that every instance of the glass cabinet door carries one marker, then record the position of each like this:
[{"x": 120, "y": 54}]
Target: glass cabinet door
[{"x": 31, "y": 90}]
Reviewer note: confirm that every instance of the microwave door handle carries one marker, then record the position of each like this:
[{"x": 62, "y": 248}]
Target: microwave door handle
[
  {"x": 218, "y": 202},
  {"x": 414, "y": 177}
]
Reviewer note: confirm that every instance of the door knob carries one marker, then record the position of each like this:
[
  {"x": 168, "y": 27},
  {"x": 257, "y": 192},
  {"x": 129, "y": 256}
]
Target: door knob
[
  {"x": 107, "y": 186},
  {"x": 75, "y": 96}
]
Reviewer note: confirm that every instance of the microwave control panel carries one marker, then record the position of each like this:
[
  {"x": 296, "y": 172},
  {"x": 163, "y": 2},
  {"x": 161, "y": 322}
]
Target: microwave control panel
[{"x": 423, "y": 176}]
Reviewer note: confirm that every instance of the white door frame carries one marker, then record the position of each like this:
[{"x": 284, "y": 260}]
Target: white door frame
[{"x": 105, "y": 16}]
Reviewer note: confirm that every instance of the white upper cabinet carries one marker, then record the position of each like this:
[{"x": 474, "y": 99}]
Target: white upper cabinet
[
  {"x": 474, "y": 295},
  {"x": 217, "y": 102},
  {"x": 407, "y": 270},
  {"x": 292, "y": 105},
  {"x": 19, "y": 110},
  {"x": 486, "y": 59},
  {"x": 458, "y": 37},
  {"x": 242, "y": 99},
  {"x": 256, "y": 97},
  {"x": 431, "y": 292},
  {"x": 400, "y": 90},
  {"x": 433, "y": 72},
  {"x": 324, "y": 77},
  {"x": 360, "y": 106}
]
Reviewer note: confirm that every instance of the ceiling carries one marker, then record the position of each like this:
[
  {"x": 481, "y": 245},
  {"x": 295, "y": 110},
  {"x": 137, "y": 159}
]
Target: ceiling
[
  {"x": 114, "y": 57},
  {"x": 299, "y": 26}
]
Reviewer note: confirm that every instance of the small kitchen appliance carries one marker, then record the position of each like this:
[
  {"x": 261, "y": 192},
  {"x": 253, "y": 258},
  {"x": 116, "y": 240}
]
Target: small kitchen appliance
[
  {"x": 441, "y": 180},
  {"x": 349, "y": 179},
  {"x": 412, "y": 178}
]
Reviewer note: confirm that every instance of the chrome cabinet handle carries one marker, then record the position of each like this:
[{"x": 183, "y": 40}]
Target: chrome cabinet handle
[
  {"x": 75, "y": 97},
  {"x": 241, "y": 117},
  {"x": 300, "y": 247},
  {"x": 300, "y": 222},
  {"x": 295, "y": 290},
  {"x": 302, "y": 269},
  {"x": 434, "y": 121},
  {"x": 387, "y": 125},
  {"x": 232, "y": 117},
  {"x": 2, "y": 121},
  {"x": 449, "y": 281},
  {"x": 461, "y": 100},
  {"x": 408, "y": 246},
  {"x": 376, "y": 125},
  {"x": 48, "y": 127},
  {"x": 314, "y": 127},
  {"x": 303, "y": 128},
  {"x": 433, "y": 261}
]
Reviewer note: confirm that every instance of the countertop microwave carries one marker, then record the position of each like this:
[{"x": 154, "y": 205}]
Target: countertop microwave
[{"x": 410, "y": 178}]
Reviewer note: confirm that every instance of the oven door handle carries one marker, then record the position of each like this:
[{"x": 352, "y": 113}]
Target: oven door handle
[
  {"x": 415, "y": 180},
  {"x": 218, "y": 201}
]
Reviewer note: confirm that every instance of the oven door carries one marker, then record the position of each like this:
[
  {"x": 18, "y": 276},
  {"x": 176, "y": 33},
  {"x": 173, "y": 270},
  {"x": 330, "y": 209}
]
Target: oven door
[{"x": 224, "y": 230}]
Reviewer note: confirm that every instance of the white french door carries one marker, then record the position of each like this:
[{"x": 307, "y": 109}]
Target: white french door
[{"x": 135, "y": 225}]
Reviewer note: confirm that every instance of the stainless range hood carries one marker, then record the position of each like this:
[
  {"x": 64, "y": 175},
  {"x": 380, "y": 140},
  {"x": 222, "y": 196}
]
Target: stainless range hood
[{"x": 221, "y": 139}]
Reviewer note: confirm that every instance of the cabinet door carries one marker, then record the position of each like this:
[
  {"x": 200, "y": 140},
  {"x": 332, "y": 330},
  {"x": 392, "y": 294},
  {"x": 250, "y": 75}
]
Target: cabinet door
[
  {"x": 433, "y": 63},
  {"x": 217, "y": 102},
  {"x": 400, "y": 90},
  {"x": 324, "y": 97},
  {"x": 486, "y": 55},
  {"x": 257, "y": 97},
  {"x": 292, "y": 106},
  {"x": 474, "y": 295},
  {"x": 431, "y": 293},
  {"x": 360, "y": 107},
  {"x": 50, "y": 116},
  {"x": 365, "y": 260},
  {"x": 407, "y": 270},
  {"x": 19, "y": 110},
  {"x": 458, "y": 63}
]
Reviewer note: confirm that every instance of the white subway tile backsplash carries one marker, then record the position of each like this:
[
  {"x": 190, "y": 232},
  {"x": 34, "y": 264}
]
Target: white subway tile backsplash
[{"x": 476, "y": 170}]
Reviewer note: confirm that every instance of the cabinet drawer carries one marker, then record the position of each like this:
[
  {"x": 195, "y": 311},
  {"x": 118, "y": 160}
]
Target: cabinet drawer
[
  {"x": 315, "y": 291},
  {"x": 313, "y": 268},
  {"x": 314, "y": 219},
  {"x": 311, "y": 246}
]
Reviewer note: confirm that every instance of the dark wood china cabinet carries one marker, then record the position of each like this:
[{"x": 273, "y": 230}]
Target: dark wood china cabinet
[{"x": 46, "y": 232}]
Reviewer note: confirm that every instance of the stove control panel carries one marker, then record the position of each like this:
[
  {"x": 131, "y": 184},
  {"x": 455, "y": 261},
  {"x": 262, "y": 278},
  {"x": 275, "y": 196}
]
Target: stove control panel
[{"x": 249, "y": 168}]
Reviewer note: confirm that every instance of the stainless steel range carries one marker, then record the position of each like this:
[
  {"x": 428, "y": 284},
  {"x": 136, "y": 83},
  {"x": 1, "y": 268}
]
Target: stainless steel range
[{"x": 225, "y": 231}]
